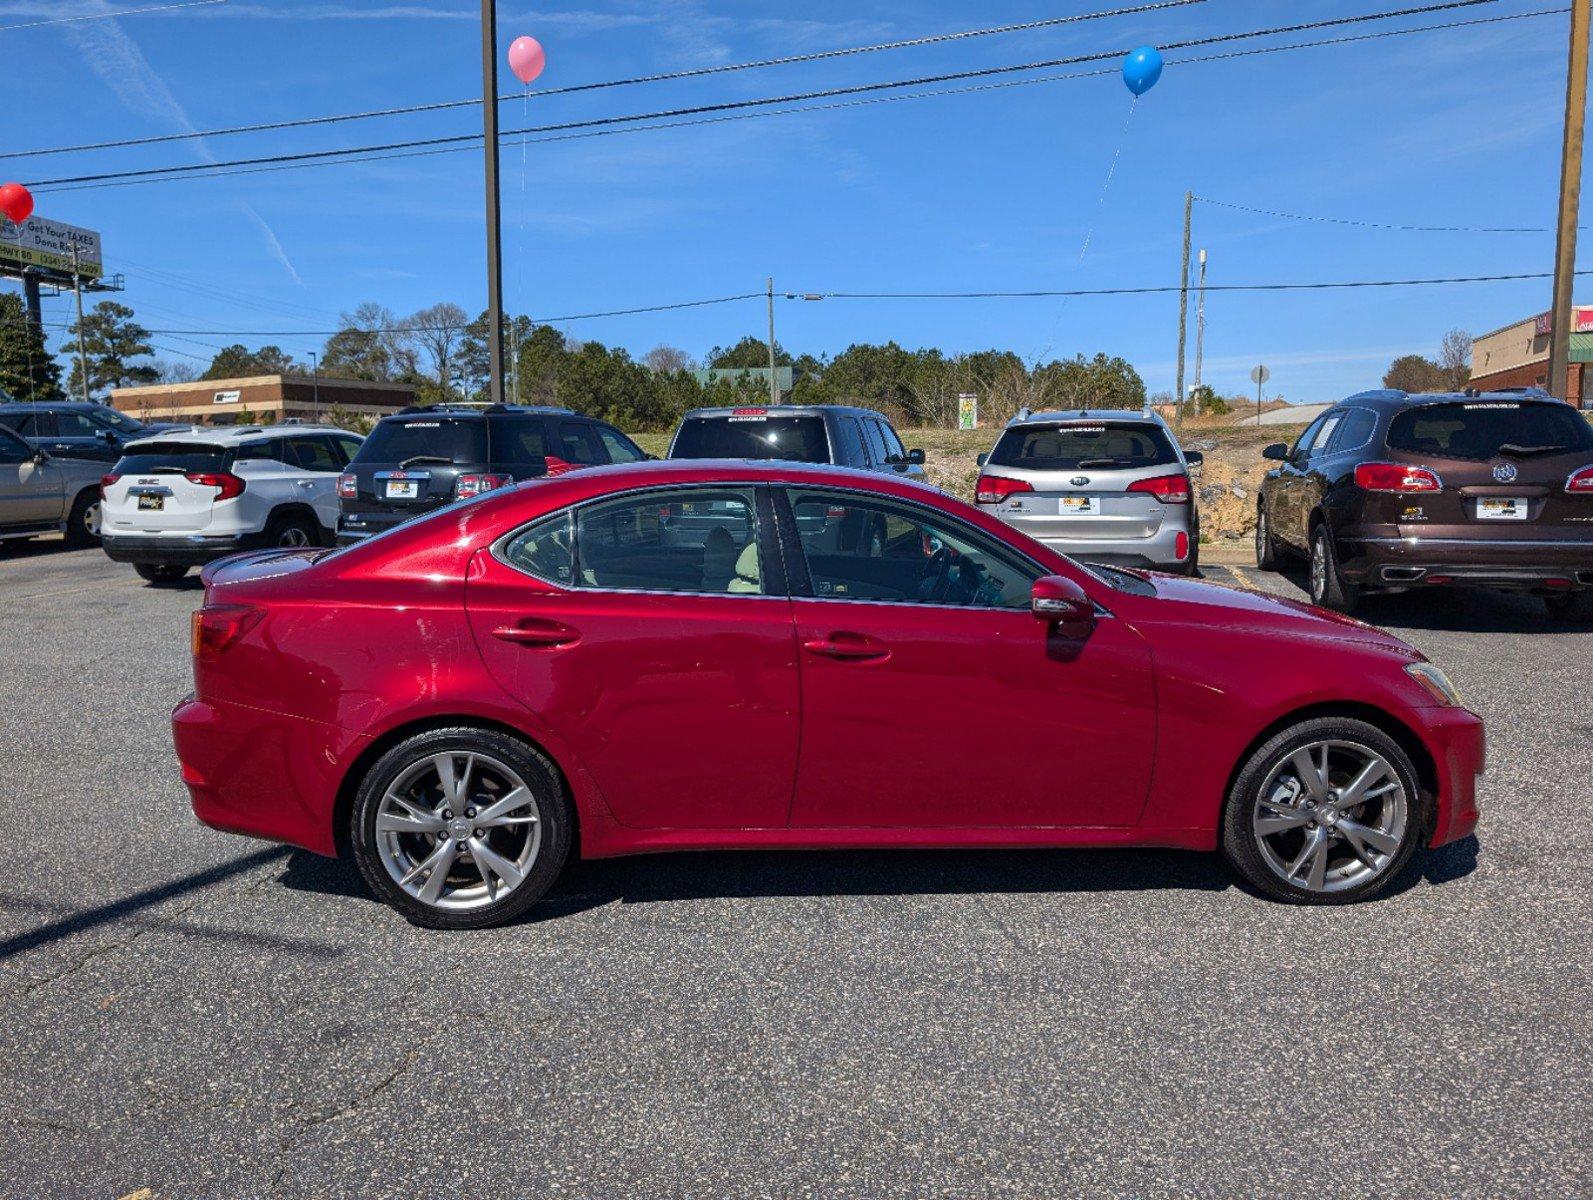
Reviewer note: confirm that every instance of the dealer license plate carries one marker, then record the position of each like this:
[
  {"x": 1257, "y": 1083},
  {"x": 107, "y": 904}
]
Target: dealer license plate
[
  {"x": 1502, "y": 508},
  {"x": 402, "y": 489},
  {"x": 1078, "y": 506},
  {"x": 150, "y": 503}
]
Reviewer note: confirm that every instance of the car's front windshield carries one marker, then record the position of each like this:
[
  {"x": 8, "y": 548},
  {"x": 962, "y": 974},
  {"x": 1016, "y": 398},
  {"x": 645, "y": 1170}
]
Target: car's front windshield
[{"x": 117, "y": 420}]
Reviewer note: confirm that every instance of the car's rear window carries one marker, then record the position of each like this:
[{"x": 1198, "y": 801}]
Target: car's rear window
[
  {"x": 173, "y": 456},
  {"x": 1483, "y": 429},
  {"x": 788, "y": 439},
  {"x": 1100, "y": 446},
  {"x": 448, "y": 439}
]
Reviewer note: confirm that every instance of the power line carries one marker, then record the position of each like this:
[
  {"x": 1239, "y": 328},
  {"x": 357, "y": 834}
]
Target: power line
[
  {"x": 126, "y": 12},
  {"x": 696, "y": 72},
  {"x": 199, "y": 169},
  {"x": 1289, "y": 216},
  {"x": 698, "y": 110}
]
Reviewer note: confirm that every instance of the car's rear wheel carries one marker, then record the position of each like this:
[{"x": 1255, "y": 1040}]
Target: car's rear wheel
[
  {"x": 1575, "y": 607},
  {"x": 83, "y": 522},
  {"x": 1326, "y": 812},
  {"x": 1266, "y": 548},
  {"x": 160, "y": 574},
  {"x": 1329, "y": 589},
  {"x": 461, "y": 828},
  {"x": 291, "y": 531}
]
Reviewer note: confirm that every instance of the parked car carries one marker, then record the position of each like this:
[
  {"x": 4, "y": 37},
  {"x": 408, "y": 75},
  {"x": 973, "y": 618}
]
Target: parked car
[
  {"x": 463, "y": 703},
  {"x": 40, "y": 493},
  {"x": 1108, "y": 487},
  {"x": 425, "y": 457},
  {"x": 1386, "y": 491},
  {"x": 179, "y": 500},
  {"x": 69, "y": 429}
]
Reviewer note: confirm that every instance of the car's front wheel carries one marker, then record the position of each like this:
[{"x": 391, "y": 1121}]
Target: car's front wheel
[
  {"x": 461, "y": 828},
  {"x": 1326, "y": 812}
]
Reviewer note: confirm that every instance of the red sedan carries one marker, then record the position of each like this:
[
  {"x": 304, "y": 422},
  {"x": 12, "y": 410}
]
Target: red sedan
[{"x": 671, "y": 656}]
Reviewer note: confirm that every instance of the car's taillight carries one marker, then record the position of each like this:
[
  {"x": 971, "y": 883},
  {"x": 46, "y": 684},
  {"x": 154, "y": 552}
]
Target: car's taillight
[
  {"x": 106, "y": 481},
  {"x": 1582, "y": 481},
  {"x": 1392, "y": 477},
  {"x": 1169, "y": 489},
  {"x": 475, "y": 485},
  {"x": 217, "y": 626},
  {"x": 993, "y": 489},
  {"x": 227, "y": 486},
  {"x": 348, "y": 487}
]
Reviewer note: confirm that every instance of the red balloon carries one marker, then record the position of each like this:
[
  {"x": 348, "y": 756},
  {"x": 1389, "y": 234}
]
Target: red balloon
[{"x": 16, "y": 202}]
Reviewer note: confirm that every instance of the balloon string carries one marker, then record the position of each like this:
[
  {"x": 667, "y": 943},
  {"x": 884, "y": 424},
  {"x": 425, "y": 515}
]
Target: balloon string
[{"x": 519, "y": 258}]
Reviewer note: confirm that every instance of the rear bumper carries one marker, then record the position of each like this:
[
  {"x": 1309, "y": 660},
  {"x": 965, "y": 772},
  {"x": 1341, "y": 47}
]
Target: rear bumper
[
  {"x": 1514, "y": 563},
  {"x": 186, "y": 550},
  {"x": 1159, "y": 550},
  {"x": 356, "y": 527}
]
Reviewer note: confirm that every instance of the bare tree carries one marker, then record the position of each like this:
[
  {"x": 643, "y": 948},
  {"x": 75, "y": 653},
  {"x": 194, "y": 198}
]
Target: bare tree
[
  {"x": 435, "y": 334},
  {"x": 172, "y": 371},
  {"x": 666, "y": 360},
  {"x": 1454, "y": 359}
]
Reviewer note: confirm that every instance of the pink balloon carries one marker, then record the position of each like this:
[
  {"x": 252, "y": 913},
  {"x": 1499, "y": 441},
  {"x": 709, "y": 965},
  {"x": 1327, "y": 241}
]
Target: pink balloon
[{"x": 526, "y": 58}]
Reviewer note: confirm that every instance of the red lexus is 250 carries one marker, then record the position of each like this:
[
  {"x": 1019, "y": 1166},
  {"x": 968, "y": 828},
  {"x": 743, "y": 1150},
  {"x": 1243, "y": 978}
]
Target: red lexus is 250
[{"x": 684, "y": 656}]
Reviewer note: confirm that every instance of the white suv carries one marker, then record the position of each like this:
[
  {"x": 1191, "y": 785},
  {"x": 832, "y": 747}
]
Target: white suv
[{"x": 180, "y": 499}]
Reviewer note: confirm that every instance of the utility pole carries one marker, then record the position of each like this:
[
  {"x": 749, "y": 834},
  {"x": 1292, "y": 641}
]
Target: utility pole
[
  {"x": 1200, "y": 330},
  {"x": 315, "y": 383},
  {"x": 774, "y": 386},
  {"x": 1570, "y": 202},
  {"x": 489, "y": 127},
  {"x": 82, "y": 355},
  {"x": 1183, "y": 308}
]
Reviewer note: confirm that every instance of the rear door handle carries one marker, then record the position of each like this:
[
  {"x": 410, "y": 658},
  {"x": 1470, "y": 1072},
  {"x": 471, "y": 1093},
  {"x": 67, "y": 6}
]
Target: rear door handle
[
  {"x": 534, "y": 632},
  {"x": 848, "y": 647}
]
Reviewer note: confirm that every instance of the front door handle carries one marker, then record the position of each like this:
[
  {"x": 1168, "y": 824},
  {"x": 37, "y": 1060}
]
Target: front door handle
[
  {"x": 848, "y": 647},
  {"x": 536, "y": 632}
]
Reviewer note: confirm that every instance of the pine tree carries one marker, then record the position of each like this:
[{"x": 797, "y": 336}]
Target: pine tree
[
  {"x": 27, "y": 372},
  {"x": 110, "y": 338}
]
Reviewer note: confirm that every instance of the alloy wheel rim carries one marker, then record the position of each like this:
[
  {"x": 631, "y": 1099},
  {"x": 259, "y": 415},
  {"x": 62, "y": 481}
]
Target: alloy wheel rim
[
  {"x": 1318, "y": 570},
  {"x": 293, "y": 537},
  {"x": 92, "y": 517},
  {"x": 458, "y": 830},
  {"x": 1261, "y": 534},
  {"x": 1331, "y": 816}
]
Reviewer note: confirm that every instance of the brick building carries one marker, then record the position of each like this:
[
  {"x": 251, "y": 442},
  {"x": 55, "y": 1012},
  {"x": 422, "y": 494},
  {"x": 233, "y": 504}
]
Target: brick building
[
  {"x": 262, "y": 397},
  {"x": 1518, "y": 356}
]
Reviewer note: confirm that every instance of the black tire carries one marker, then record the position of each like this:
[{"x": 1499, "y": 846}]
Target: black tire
[
  {"x": 1266, "y": 547},
  {"x": 1574, "y": 608},
  {"x": 289, "y": 531},
  {"x": 1329, "y": 589},
  {"x": 556, "y": 821},
  {"x": 83, "y": 522},
  {"x": 1239, "y": 838},
  {"x": 160, "y": 574}
]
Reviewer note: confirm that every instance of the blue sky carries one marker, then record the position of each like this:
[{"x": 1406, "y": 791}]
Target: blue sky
[{"x": 997, "y": 190}]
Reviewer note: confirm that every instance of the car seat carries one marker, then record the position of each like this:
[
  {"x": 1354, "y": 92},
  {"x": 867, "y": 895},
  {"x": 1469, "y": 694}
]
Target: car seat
[
  {"x": 748, "y": 578},
  {"x": 719, "y": 557}
]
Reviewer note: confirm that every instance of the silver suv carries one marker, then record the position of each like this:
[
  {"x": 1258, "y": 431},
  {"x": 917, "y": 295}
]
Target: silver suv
[{"x": 1110, "y": 487}]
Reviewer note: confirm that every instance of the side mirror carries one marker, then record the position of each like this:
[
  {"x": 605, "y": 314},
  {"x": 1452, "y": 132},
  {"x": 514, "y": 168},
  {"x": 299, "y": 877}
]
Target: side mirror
[
  {"x": 1194, "y": 457},
  {"x": 40, "y": 458},
  {"x": 1277, "y": 452},
  {"x": 107, "y": 436},
  {"x": 1058, "y": 601},
  {"x": 915, "y": 458},
  {"x": 982, "y": 459}
]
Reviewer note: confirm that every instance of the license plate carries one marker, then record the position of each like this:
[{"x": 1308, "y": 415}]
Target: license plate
[
  {"x": 1510, "y": 508},
  {"x": 402, "y": 489},
  {"x": 148, "y": 503},
  {"x": 1078, "y": 506}
]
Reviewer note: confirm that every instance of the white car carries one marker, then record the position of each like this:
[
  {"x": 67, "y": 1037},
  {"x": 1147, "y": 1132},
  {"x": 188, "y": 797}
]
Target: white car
[{"x": 181, "y": 499}]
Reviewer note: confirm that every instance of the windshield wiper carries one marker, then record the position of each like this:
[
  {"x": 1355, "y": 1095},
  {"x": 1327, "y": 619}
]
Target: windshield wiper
[
  {"x": 1516, "y": 451},
  {"x": 1097, "y": 464},
  {"x": 424, "y": 458}
]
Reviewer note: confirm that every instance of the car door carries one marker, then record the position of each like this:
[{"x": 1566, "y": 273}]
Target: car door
[
  {"x": 31, "y": 492},
  {"x": 316, "y": 460},
  {"x": 1290, "y": 511},
  {"x": 76, "y": 436},
  {"x": 931, "y": 697},
  {"x": 667, "y": 663}
]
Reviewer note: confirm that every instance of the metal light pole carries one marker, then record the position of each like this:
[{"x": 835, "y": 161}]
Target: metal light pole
[
  {"x": 1570, "y": 201},
  {"x": 1183, "y": 307},
  {"x": 315, "y": 383},
  {"x": 774, "y": 386},
  {"x": 489, "y": 127},
  {"x": 82, "y": 355},
  {"x": 1200, "y": 330}
]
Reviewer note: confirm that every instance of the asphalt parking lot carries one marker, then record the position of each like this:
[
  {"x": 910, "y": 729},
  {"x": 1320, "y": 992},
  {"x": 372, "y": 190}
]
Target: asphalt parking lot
[{"x": 184, "y": 1013}]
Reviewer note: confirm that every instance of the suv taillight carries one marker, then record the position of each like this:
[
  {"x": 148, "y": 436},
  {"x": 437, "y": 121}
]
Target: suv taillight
[
  {"x": 1392, "y": 477},
  {"x": 993, "y": 489},
  {"x": 475, "y": 485},
  {"x": 217, "y": 626},
  {"x": 106, "y": 481},
  {"x": 227, "y": 486},
  {"x": 1581, "y": 481},
  {"x": 1169, "y": 489},
  {"x": 348, "y": 487}
]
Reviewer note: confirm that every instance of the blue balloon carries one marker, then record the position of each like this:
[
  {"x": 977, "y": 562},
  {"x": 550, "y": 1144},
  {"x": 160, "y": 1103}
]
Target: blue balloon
[{"x": 1141, "y": 69}]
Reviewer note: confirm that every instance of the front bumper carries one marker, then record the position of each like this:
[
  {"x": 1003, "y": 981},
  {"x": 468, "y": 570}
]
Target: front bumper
[
  {"x": 183, "y": 550},
  {"x": 1455, "y": 739},
  {"x": 1525, "y": 564}
]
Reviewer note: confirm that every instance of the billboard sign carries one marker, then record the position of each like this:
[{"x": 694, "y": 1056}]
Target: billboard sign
[
  {"x": 47, "y": 246},
  {"x": 967, "y": 411}
]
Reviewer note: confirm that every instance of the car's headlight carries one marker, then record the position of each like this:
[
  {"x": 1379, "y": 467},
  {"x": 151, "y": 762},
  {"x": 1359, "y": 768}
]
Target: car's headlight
[{"x": 1436, "y": 683}]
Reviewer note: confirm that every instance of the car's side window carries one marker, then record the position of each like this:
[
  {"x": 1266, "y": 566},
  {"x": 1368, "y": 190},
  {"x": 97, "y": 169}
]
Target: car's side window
[
  {"x": 849, "y": 439},
  {"x": 258, "y": 452},
  {"x": 698, "y": 540},
  {"x": 347, "y": 446},
  {"x": 574, "y": 445},
  {"x": 876, "y": 444},
  {"x": 893, "y": 444},
  {"x": 859, "y": 548},
  {"x": 312, "y": 454},
  {"x": 1325, "y": 434},
  {"x": 1355, "y": 430},
  {"x": 13, "y": 449},
  {"x": 1303, "y": 446},
  {"x": 545, "y": 549},
  {"x": 37, "y": 425},
  {"x": 71, "y": 424},
  {"x": 619, "y": 447}
]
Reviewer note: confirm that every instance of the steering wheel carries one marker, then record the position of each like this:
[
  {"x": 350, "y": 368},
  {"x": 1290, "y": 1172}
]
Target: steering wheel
[{"x": 934, "y": 581}]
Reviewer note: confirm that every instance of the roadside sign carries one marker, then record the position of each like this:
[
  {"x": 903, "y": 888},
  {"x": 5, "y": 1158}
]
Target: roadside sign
[
  {"x": 967, "y": 411},
  {"x": 45, "y": 244},
  {"x": 1260, "y": 376}
]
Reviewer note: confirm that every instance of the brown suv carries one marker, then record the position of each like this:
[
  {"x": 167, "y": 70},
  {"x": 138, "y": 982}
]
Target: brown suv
[{"x": 1388, "y": 491}]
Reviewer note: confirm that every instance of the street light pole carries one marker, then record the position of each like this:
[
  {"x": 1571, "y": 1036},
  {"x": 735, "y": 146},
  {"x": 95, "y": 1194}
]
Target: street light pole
[
  {"x": 1570, "y": 202},
  {"x": 774, "y": 386},
  {"x": 489, "y": 126}
]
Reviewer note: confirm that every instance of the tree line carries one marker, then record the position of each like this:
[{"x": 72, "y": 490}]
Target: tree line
[{"x": 442, "y": 353}]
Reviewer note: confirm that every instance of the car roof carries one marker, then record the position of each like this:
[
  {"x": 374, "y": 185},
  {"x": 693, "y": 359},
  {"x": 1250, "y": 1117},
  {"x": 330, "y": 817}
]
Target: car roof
[
  {"x": 236, "y": 435},
  {"x": 55, "y": 405},
  {"x": 1087, "y": 415},
  {"x": 466, "y": 409},
  {"x": 781, "y": 410},
  {"x": 1393, "y": 400}
]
